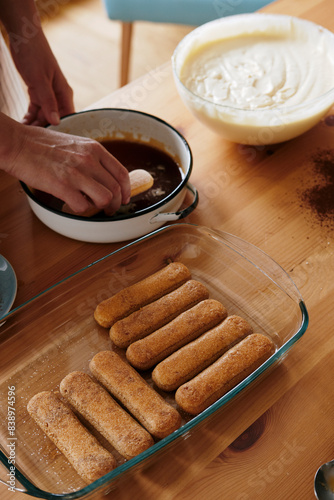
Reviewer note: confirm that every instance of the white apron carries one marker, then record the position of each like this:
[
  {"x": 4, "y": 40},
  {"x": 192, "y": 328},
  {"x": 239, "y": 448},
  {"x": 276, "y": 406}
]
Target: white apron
[{"x": 13, "y": 100}]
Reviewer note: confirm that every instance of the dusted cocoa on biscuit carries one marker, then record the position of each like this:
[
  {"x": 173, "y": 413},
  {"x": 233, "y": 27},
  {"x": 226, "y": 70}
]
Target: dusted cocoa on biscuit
[
  {"x": 224, "y": 374},
  {"x": 96, "y": 405},
  {"x": 147, "y": 352},
  {"x": 143, "y": 402},
  {"x": 82, "y": 450},
  {"x": 141, "y": 293},
  {"x": 149, "y": 318},
  {"x": 191, "y": 359}
]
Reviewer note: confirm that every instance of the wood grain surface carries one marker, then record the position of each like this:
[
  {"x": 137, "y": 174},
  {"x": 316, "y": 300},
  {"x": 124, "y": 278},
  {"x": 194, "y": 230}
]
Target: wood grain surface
[{"x": 269, "y": 442}]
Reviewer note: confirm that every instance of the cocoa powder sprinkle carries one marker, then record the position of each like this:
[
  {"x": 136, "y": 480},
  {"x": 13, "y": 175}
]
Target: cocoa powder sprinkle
[{"x": 320, "y": 197}]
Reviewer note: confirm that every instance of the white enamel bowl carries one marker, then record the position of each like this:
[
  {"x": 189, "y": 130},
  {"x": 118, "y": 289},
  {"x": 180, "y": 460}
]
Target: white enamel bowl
[{"x": 112, "y": 123}]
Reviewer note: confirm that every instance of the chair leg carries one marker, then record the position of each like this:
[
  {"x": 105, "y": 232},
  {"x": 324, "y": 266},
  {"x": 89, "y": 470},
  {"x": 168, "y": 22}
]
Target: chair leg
[{"x": 125, "y": 52}]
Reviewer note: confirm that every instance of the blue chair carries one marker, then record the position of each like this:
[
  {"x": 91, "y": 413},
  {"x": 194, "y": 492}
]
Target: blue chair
[{"x": 187, "y": 12}]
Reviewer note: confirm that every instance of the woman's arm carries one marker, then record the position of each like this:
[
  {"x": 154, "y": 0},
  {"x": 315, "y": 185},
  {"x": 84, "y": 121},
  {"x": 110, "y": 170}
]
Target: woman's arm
[
  {"x": 75, "y": 169},
  {"x": 50, "y": 94}
]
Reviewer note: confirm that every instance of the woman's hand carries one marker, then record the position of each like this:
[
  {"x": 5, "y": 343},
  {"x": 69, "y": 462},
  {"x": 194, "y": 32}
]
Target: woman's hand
[
  {"x": 79, "y": 171},
  {"x": 50, "y": 95}
]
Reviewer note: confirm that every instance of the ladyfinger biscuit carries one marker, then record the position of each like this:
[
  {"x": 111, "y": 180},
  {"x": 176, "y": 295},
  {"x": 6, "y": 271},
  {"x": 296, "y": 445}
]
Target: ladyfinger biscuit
[
  {"x": 141, "y": 293},
  {"x": 140, "y": 180},
  {"x": 224, "y": 374},
  {"x": 146, "y": 320},
  {"x": 59, "y": 423},
  {"x": 192, "y": 358},
  {"x": 95, "y": 404},
  {"x": 152, "y": 411},
  {"x": 147, "y": 352}
]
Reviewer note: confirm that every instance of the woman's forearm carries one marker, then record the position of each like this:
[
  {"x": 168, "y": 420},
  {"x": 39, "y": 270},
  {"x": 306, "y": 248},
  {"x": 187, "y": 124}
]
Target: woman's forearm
[
  {"x": 20, "y": 17},
  {"x": 50, "y": 94}
]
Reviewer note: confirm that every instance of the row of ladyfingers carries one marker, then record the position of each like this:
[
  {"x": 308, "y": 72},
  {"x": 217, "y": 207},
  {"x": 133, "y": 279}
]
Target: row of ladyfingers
[
  {"x": 129, "y": 432},
  {"x": 166, "y": 321}
]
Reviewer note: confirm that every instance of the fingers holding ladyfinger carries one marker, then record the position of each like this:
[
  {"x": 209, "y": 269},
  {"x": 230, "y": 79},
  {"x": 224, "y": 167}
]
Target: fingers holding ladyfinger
[{"x": 140, "y": 181}]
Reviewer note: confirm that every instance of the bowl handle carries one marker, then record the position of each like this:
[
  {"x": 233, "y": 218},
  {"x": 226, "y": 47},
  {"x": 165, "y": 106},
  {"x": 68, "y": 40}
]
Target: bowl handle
[{"x": 180, "y": 214}]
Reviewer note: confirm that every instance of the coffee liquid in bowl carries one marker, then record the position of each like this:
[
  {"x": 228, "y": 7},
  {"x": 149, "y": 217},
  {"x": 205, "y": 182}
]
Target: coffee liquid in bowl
[{"x": 163, "y": 168}]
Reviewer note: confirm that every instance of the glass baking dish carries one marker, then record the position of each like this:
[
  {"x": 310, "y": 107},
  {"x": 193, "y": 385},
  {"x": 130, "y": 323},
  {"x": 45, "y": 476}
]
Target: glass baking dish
[{"x": 55, "y": 333}]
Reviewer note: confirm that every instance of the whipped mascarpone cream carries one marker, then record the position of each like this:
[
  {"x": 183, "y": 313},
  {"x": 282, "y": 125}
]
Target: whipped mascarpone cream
[
  {"x": 259, "y": 71},
  {"x": 257, "y": 78}
]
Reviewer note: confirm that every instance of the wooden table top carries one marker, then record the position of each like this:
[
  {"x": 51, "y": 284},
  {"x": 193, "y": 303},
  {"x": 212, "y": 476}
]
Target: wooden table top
[{"x": 270, "y": 441}]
